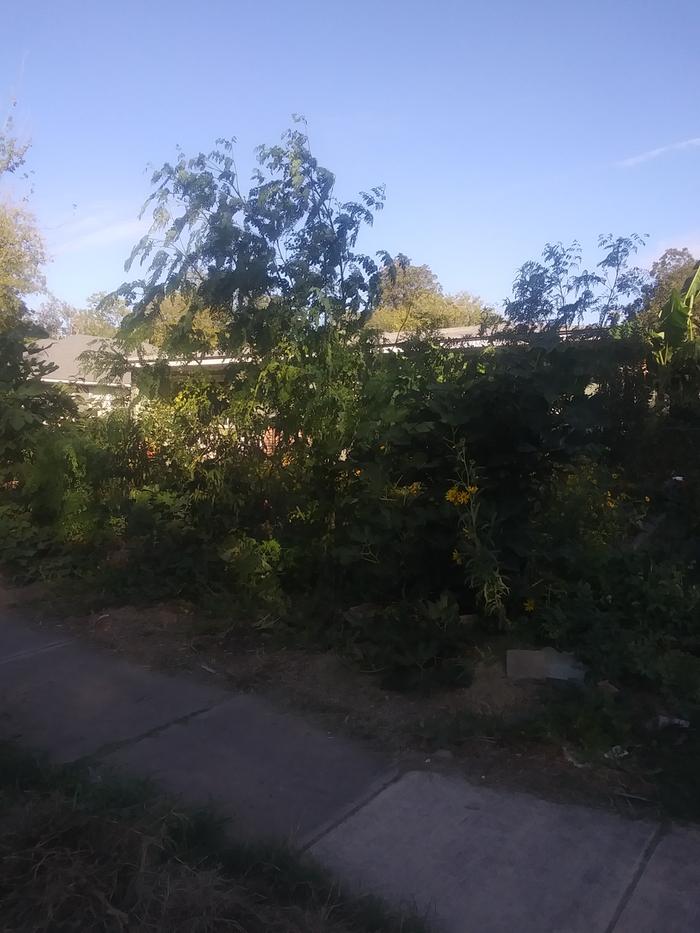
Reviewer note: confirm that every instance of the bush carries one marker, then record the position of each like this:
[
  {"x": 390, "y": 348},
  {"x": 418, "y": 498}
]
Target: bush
[
  {"x": 26, "y": 550},
  {"x": 433, "y": 483},
  {"x": 411, "y": 644},
  {"x": 251, "y": 567},
  {"x": 622, "y": 609}
]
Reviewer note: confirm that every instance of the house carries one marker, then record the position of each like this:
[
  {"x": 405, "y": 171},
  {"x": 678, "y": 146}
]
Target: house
[
  {"x": 70, "y": 370},
  {"x": 64, "y": 354},
  {"x": 473, "y": 335}
]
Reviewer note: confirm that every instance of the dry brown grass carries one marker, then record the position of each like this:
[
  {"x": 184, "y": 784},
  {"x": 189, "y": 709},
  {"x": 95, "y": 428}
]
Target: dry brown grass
[
  {"x": 79, "y": 856},
  {"x": 63, "y": 869}
]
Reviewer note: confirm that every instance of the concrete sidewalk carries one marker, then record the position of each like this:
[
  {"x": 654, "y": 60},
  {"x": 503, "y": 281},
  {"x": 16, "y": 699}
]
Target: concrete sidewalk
[{"x": 476, "y": 859}]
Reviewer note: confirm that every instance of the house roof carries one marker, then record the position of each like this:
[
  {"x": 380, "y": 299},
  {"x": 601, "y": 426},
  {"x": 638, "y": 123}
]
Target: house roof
[
  {"x": 64, "y": 354},
  {"x": 474, "y": 333}
]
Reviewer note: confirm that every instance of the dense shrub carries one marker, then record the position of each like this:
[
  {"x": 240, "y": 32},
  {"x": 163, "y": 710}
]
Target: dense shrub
[
  {"x": 411, "y": 644},
  {"x": 510, "y": 478}
]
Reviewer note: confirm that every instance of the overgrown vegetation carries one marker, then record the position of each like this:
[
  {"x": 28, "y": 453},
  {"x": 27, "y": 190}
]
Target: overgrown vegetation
[
  {"x": 81, "y": 852},
  {"x": 543, "y": 483}
]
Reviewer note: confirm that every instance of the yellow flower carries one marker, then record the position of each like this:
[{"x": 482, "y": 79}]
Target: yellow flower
[
  {"x": 458, "y": 496},
  {"x": 456, "y": 556},
  {"x": 529, "y": 605},
  {"x": 405, "y": 492},
  {"x": 472, "y": 490}
]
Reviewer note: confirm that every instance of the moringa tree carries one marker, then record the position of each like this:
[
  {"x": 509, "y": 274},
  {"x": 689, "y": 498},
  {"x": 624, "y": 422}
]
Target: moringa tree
[
  {"x": 556, "y": 292},
  {"x": 261, "y": 262}
]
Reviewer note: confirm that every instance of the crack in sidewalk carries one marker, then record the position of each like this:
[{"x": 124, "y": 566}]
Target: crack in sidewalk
[
  {"x": 378, "y": 787},
  {"x": 31, "y": 652},
  {"x": 110, "y": 747},
  {"x": 661, "y": 830}
]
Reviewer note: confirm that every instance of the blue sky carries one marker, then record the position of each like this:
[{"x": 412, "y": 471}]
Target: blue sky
[{"x": 495, "y": 125}]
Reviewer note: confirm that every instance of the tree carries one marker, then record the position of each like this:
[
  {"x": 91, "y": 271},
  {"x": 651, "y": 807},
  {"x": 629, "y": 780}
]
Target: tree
[
  {"x": 12, "y": 152},
  {"x": 201, "y": 329},
  {"x": 100, "y": 318},
  {"x": 28, "y": 406},
  {"x": 54, "y": 316},
  {"x": 412, "y": 299},
  {"x": 673, "y": 270},
  {"x": 21, "y": 258},
  {"x": 264, "y": 263},
  {"x": 474, "y": 311},
  {"x": 21, "y": 248},
  {"x": 556, "y": 292}
]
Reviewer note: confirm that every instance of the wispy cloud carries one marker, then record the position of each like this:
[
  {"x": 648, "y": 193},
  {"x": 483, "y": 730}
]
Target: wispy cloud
[
  {"x": 100, "y": 226},
  {"x": 693, "y": 143},
  {"x": 101, "y": 236}
]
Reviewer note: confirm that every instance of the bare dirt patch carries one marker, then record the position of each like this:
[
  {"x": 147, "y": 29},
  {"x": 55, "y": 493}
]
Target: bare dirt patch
[{"x": 458, "y": 729}]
